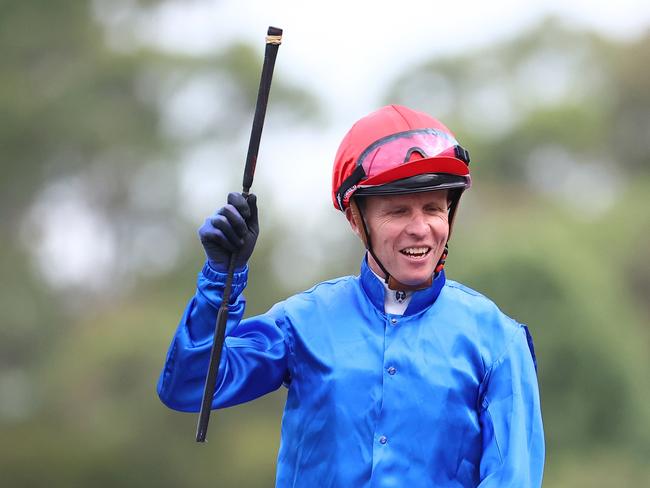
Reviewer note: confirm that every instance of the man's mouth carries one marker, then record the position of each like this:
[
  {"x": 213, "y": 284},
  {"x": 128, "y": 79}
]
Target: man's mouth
[{"x": 416, "y": 252}]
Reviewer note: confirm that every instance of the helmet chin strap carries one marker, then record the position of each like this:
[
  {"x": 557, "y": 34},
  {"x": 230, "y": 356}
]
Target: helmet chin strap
[{"x": 391, "y": 282}]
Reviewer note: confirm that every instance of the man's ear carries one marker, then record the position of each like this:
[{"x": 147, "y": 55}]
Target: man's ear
[
  {"x": 353, "y": 223},
  {"x": 354, "y": 217}
]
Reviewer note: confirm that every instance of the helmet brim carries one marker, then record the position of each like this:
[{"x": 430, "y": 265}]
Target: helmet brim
[{"x": 448, "y": 165}]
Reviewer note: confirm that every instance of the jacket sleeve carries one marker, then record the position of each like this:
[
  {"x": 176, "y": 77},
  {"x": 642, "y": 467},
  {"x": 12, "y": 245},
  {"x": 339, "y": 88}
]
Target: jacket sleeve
[
  {"x": 253, "y": 359},
  {"x": 511, "y": 420}
]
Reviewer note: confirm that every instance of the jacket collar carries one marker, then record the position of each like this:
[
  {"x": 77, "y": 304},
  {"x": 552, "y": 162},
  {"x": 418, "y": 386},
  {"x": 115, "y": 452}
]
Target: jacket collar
[{"x": 421, "y": 299}]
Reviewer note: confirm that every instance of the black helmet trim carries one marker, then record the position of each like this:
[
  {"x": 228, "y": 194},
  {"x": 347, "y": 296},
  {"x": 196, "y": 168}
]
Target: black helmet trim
[{"x": 349, "y": 184}]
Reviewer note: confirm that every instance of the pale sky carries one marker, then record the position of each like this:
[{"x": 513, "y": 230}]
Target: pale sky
[{"x": 348, "y": 50}]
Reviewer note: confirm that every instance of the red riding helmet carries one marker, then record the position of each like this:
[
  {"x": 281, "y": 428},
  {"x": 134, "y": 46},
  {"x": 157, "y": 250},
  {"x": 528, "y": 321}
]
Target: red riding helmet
[{"x": 397, "y": 150}]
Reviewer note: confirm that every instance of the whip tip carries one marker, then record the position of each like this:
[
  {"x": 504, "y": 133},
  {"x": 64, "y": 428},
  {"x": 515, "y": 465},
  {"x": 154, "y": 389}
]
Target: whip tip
[{"x": 274, "y": 35}]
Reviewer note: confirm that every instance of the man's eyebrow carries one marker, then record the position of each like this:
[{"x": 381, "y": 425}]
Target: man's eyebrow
[
  {"x": 438, "y": 204},
  {"x": 391, "y": 206}
]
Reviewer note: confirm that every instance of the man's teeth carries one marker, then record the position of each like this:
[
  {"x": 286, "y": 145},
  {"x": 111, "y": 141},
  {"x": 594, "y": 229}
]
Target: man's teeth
[{"x": 415, "y": 251}]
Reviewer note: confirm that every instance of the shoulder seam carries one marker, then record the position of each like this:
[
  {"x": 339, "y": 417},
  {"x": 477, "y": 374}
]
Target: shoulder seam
[
  {"x": 465, "y": 289},
  {"x": 333, "y": 281}
]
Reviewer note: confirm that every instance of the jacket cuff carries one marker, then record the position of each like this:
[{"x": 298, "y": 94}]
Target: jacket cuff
[{"x": 212, "y": 283}]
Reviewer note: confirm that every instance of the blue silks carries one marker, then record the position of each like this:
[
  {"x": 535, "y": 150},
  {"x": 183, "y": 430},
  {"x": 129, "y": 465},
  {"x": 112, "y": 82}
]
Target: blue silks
[{"x": 444, "y": 396}]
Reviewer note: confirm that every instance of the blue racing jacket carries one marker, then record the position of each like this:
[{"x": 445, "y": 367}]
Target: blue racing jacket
[{"x": 445, "y": 395}]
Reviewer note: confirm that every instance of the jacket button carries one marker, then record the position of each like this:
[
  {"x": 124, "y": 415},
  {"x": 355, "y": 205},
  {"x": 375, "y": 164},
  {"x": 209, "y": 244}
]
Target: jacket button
[
  {"x": 393, "y": 321},
  {"x": 392, "y": 370},
  {"x": 383, "y": 439}
]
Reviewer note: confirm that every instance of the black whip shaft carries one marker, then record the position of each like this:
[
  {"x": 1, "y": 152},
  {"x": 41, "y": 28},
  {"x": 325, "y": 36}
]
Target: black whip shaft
[
  {"x": 215, "y": 355},
  {"x": 273, "y": 40}
]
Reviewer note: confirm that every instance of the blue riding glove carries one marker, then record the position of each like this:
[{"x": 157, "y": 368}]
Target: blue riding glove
[{"x": 233, "y": 228}]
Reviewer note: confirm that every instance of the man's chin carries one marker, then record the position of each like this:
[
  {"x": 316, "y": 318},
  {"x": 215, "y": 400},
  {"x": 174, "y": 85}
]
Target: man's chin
[{"x": 414, "y": 280}]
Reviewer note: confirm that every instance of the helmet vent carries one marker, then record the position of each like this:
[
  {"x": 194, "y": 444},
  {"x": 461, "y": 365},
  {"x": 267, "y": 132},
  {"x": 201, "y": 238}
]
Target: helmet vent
[{"x": 415, "y": 153}]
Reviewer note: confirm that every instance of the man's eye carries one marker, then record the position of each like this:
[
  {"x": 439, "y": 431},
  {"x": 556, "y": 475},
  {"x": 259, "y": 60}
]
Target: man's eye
[{"x": 436, "y": 210}]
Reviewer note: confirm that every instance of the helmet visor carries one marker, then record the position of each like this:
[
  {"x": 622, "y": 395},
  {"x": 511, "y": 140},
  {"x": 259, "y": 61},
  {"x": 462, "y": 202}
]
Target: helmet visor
[{"x": 396, "y": 149}]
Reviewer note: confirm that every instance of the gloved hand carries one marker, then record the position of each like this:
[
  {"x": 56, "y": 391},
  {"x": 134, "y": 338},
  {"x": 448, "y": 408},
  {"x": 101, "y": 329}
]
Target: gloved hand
[{"x": 233, "y": 228}]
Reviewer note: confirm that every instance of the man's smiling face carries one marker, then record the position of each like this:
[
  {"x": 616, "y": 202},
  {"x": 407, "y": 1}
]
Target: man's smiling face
[{"x": 408, "y": 233}]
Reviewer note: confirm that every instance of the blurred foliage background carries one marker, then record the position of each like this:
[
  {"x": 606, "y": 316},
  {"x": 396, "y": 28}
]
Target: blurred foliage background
[{"x": 99, "y": 205}]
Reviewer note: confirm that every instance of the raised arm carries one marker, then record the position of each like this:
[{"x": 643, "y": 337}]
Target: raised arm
[{"x": 253, "y": 360}]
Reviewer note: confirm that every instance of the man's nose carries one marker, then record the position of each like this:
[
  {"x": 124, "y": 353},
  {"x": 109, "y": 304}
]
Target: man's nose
[{"x": 417, "y": 225}]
